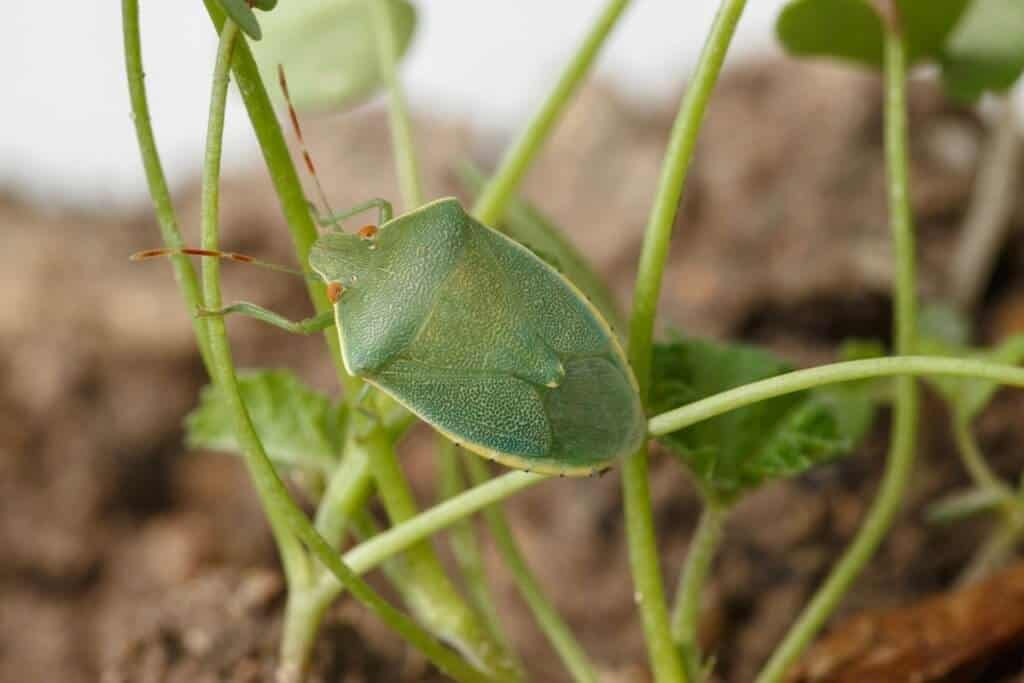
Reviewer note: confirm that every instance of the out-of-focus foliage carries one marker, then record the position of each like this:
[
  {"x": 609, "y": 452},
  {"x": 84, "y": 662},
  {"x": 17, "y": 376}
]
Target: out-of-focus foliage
[{"x": 328, "y": 49}]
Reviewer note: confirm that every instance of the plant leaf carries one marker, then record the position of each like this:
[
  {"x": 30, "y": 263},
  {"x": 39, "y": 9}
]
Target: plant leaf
[
  {"x": 986, "y": 50},
  {"x": 298, "y": 426},
  {"x": 328, "y": 49},
  {"x": 853, "y": 30},
  {"x": 775, "y": 438},
  {"x": 241, "y": 13}
]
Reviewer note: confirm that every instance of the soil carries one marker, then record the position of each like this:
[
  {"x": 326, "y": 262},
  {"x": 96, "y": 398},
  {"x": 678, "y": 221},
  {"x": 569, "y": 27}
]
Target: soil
[{"x": 126, "y": 558}]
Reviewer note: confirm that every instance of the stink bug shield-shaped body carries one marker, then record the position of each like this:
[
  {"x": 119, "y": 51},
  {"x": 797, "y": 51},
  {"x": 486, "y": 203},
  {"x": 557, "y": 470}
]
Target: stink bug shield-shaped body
[{"x": 480, "y": 338}]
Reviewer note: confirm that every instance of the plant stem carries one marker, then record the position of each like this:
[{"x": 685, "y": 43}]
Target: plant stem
[
  {"x": 990, "y": 209},
  {"x": 557, "y": 631},
  {"x": 650, "y": 592},
  {"x": 280, "y": 508},
  {"x": 462, "y": 539},
  {"x": 347, "y": 491},
  {"x": 490, "y": 205},
  {"x": 184, "y": 273},
  {"x": 286, "y": 182},
  {"x": 401, "y": 128},
  {"x": 974, "y": 461},
  {"x": 994, "y": 552},
  {"x": 686, "y": 616},
  {"x": 901, "y": 450},
  {"x": 293, "y": 557},
  {"x": 798, "y": 380},
  {"x": 437, "y": 602}
]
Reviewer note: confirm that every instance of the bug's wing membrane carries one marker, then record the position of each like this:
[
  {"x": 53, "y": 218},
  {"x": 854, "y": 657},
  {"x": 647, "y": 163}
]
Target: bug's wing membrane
[{"x": 463, "y": 403}]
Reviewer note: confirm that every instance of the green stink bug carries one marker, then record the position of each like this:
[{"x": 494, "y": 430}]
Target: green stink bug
[{"x": 477, "y": 336}]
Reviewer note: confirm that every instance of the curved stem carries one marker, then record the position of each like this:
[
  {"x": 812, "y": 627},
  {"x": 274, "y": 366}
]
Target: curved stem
[
  {"x": 283, "y": 175},
  {"x": 974, "y": 461},
  {"x": 686, "y": 616},
  {"x": 901, "y": 450},
  {"x": 184, "y": 273},
  {"x": 491, "y": 203},
  {"x": 463, "y": 541},
  {"x": 557, "y": 631},
  {"x": 643, "y": 554},
  {"x": 833, "y": 373},
  {"x": 281, "y": 510},
  {"x": 401, "y": 128}
]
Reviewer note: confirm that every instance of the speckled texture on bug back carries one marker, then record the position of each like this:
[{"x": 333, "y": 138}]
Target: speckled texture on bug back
[{"x": 483, "y": 340}]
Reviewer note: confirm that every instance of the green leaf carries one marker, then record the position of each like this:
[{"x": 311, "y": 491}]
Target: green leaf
[
  {"x": 853, "y": 30},
  {"x": 328, "y": 49},
  {"x": 779, "y": 437},
  {"x": 986, "y": 50},
  {"x": 242, "y": 14},
  {"x": 265, "y": 5},
  {"x": 298, "y": 426},
  {"x": 524, "y": 223}
]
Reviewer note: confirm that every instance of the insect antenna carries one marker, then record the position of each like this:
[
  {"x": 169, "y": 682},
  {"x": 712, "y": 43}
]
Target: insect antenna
[
  {"x": 307, "y": 158},
  {"x": 226, "y": 255}
]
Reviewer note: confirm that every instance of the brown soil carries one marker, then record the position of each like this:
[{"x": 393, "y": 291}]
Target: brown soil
[{"x": 127, "y": 559}]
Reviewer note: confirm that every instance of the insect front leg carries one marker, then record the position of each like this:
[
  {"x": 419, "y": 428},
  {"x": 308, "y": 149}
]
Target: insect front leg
[
  {"x": 383, "y": 206},
  {"x": 317, "y": 323}
]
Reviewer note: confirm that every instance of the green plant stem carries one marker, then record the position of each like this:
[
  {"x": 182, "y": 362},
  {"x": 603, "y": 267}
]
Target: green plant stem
[
  {"x": 462, "y": 538},
  {"x": 280, "y": 508},
  {"x": 901, "y": 450},
  {"x": 650, "y": 591},
  {"x": 184, "y": 273},
  {"x": 401, "y": 127},
  {"x": 348, "y": 490},
  {"x": 1000, "y": 545},
  {"x": 490, "y": 205},
  {"x": 974, "y": 461},
  {"x": 437, "y": 602},
  {"x": 293, "y": 557},
  {"x": 686, "y": 615},
  {"x": 286, "y": 183},
  {"x": 798, "y": 380},
  {"x": 557, "y": 631}
]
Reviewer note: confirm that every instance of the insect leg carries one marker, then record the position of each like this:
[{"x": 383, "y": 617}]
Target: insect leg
[
  {"x": 383, "y": 207},
  {"x": 317, "y": 323}
]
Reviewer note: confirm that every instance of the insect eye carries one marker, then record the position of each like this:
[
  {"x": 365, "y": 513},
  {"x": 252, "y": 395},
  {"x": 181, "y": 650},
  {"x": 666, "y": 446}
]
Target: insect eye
[
  {"x": 334, "y": 291},
  {"x": 367, "y": 232}
]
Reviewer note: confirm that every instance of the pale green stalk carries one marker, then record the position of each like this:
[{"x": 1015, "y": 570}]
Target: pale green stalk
[
  {"x": 550, "y": 621},
  {"x": 463, "y": 542},
  {"x": 281, "y": 510},
  {"x": 905, "y": 409},
  {"x": 184, "y": 273},
  {"x": 491, "y": 203},
  {"x": 974, "y": 461},
  {"x": 686, "y": 615},
  {"x": 401, "y": 128},
  {"x": 437, "y": 602},
  {"x": 847, "y": 371},
  {"x": 643, "y": 552}
]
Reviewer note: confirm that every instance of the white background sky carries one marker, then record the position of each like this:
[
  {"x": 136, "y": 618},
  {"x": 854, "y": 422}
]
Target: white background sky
[{"x": 67, "y": 139}]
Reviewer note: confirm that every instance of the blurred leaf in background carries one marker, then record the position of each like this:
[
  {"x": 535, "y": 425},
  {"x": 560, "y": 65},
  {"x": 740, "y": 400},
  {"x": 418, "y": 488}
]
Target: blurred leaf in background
[
  {"x": 327, "y": 49},
  {"x": 978, "y": 44}
]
